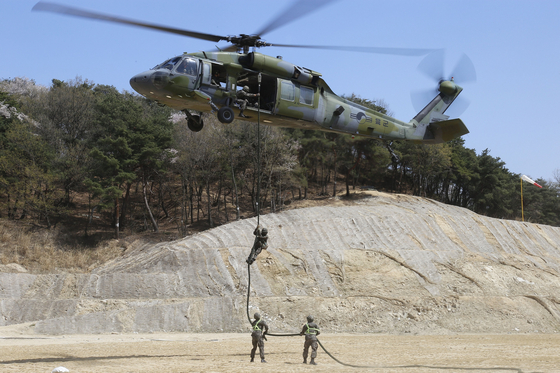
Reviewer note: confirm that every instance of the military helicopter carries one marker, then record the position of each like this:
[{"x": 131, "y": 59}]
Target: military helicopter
[{"x": 288, "y": 95}]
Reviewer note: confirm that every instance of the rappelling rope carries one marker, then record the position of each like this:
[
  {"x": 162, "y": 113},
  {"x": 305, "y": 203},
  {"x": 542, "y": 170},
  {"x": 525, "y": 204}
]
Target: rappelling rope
[
  {"x": 248, "y": 295},
  {"x": 259, "y": 149}
]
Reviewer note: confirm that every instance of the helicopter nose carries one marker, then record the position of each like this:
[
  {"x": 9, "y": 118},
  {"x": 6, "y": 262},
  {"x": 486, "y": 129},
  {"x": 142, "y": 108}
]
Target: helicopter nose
[
  {"x": 148, "y": 82},
  {"x": 142, "y": 83}
]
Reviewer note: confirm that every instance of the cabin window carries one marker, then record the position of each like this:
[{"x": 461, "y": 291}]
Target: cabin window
[
  {"x": 187, "y": 66},
  {"x": 306, "y": 96},
  {"x": 288, "y": 91}
]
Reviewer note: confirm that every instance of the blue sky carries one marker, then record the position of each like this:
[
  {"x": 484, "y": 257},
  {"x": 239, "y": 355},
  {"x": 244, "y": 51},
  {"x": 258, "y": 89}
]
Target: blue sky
[{"x": 514, "y": 45}]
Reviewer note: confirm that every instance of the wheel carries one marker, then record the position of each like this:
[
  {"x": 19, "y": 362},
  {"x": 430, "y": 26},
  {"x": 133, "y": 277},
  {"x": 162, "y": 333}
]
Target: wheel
[
  {"x": 226, "y": 115},
  {"x": 195, "y": 123}
]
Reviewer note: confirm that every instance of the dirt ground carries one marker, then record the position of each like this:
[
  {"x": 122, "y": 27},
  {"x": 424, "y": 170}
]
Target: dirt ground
[{"x": 181, "y": 352}]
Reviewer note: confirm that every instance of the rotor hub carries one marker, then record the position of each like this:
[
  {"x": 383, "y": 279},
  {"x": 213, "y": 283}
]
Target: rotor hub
[{"x": 448, "y": 87}]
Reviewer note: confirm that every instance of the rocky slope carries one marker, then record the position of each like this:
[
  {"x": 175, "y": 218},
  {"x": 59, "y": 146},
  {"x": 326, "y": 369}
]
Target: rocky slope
[{"x": 383, "y": 263}]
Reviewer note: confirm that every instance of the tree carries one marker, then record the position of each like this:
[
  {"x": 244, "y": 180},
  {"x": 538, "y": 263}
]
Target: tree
[
  {"x": 8, "y": 113},
  {"x": 131, "y": 145},
  {"x": 494, "y": 190},
  {"x": 198, "y": 162},
  {"x": 25, "y": 178},
  {"x": 65, "y": 116}
]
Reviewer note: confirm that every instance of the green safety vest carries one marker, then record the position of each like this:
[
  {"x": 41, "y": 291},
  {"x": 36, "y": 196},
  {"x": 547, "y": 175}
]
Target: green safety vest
[
  {"x": 311, "y": 330},
  {"x": 256, "y": 326}
]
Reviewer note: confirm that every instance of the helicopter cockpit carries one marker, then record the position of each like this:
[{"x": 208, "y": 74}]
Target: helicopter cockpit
[{"x": 180, "y": 65}]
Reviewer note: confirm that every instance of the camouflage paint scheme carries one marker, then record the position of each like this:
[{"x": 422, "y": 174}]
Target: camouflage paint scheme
[{"x": 291, "y": 96}]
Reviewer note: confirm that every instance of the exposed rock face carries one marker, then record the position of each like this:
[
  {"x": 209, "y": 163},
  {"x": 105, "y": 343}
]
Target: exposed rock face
[{"x": 385, "y": 263}]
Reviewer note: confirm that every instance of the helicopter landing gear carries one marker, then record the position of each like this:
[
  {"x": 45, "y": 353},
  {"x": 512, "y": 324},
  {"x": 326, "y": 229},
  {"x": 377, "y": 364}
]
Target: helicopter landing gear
[
  {"x": 226, "y": 115},
  {"x": 194, "y": 121}
]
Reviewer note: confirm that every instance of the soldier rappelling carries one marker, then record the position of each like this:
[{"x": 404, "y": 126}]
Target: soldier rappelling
[{"x": 261, "y": 242}]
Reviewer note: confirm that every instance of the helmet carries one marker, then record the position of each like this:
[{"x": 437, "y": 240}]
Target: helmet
[
  {"x": 309, "y": 318},
  {"x": 246, "y": 88},
  {"x": 264, "y": 231},
  {"x": 257, "y": 316}
]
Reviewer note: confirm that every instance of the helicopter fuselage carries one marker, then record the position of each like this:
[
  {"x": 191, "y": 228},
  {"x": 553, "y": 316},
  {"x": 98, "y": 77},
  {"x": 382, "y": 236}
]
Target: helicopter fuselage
[{"x": 289, "y": 96}]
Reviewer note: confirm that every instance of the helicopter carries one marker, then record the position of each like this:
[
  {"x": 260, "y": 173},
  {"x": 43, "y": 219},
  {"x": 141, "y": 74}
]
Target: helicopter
[{"x": 280, "y": 93}]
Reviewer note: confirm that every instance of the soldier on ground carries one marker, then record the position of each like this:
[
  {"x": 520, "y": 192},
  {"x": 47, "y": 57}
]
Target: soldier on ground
[
  {"x": 242, "y": 99},
  {"x": 311, "y": 331},
  {"x": 259, "y": 336},
  {"x": 261, "y": 242}
]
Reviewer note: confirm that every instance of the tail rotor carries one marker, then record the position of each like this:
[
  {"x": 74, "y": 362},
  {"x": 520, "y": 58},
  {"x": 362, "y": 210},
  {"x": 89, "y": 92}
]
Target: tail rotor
[{"x": 432, "y": 66}]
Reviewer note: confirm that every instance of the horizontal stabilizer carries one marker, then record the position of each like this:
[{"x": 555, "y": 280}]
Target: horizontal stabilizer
[{"x": 447, "y": 130}]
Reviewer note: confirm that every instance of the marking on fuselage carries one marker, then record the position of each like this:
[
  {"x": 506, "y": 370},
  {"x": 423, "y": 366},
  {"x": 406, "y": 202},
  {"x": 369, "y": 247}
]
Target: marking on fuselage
[{"x": 361, "y": 117}]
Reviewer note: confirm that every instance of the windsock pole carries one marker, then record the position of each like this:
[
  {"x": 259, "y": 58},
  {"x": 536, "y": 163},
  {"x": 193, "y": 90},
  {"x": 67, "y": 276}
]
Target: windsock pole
[
  {"x": 529, "y": 180},
  {"x": 522, "y": 217}
]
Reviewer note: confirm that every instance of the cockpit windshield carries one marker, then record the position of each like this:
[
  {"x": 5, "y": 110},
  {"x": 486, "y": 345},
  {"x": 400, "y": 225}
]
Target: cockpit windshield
[
  {"x": 181, "y": 65},
  {"x": 187, "y": 66},
  {"x": 169, "y": 64}
]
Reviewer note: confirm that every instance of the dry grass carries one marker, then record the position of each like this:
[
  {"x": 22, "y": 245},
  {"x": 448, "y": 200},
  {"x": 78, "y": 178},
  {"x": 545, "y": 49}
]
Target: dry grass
[{"x": 40, "y": 250}]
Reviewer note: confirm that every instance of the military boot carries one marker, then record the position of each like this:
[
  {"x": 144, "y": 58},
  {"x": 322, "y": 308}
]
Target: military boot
[
  {"x": 263, "y": 361},
  {"x": 312, "y": 362},
  {"x": 305, "y": 360}
]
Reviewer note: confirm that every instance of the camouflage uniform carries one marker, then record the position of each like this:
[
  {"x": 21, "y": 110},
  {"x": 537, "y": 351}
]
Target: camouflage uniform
[
  {"x": 261, "y": 242},
  {"x": 242, "y": 99},
  {"x": 259, "y": 331},
  {"x": 216, "y": 79},
  {"x": 311, "y": 331}
]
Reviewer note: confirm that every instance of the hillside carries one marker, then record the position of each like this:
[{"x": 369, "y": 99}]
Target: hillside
[{"x": 381, "y": 264}]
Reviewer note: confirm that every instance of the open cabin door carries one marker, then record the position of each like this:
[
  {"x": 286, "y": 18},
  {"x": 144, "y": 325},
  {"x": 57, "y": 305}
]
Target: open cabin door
[{"x": 268, "y": 90}]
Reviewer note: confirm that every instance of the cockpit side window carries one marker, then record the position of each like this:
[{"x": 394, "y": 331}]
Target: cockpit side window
[{"x": 188, "y": 66}]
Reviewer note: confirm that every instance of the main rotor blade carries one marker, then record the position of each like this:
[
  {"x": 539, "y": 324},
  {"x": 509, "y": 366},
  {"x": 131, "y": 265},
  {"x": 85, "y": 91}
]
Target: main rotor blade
[
  {"x": 298, "y": 9},
  {"x": 63, "y": 9},
  {"x": 378, "y": 50}
]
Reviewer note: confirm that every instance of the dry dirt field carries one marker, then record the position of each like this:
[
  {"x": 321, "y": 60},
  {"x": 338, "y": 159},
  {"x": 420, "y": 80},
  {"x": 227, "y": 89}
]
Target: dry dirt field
[{"x": 229, "y": 352}]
